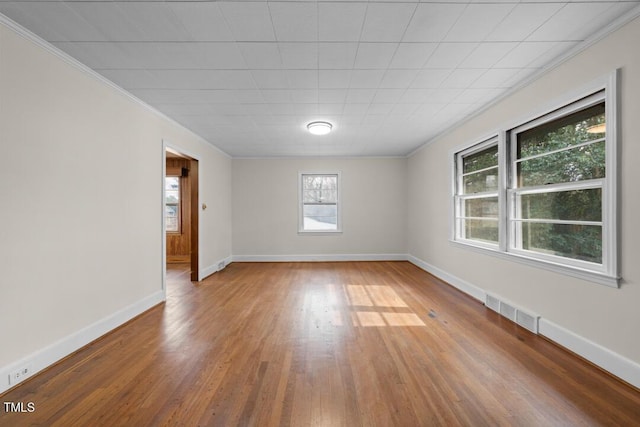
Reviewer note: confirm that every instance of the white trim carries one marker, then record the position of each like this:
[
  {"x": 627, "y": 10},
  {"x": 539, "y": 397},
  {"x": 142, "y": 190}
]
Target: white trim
[
  {"x": 600, "y": 91},
  {"x": 320, "y": 156},
  {"x": 458, "y": 195},
  {"x": 559, "y": 150},
  {"x": 35, "y": 39},
  {"x": 576, "y": 101},
  {"x": 503, "y": 179},
  {"x": 176, "y": 148},
  {"x": 618, "y": 365},
  {"x": 163, "y": 225},
  {"x": 625, "y": 369},
  {"x": 51, "y": 354},
  {"x": 320, "y": 257},
  {"x": 604, "y": 88},
  {"x": 559, "y": 102},
  {"x": 590, "y": 184},
  {"x": 301, "y": 229},
  {"x": 593, "y": 39},
  {"x": 215, "y": 267},
  {"x": 318, "y": 232},
  {"x": 589, "y": 276},
  {"x": 611, "y": 212},
  {"x": 450, "y": 279}
]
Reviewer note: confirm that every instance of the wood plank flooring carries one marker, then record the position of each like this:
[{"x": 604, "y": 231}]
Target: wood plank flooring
[{"x": 321, "y": 344}]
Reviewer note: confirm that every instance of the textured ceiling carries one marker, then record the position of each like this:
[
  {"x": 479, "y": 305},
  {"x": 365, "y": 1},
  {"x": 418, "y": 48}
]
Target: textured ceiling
[{"x": 248, "y": 75}]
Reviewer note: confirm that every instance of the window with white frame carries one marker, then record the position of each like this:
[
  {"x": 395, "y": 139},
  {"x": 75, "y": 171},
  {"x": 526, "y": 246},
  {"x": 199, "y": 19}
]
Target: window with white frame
[
  {"x": 544, "y": 191},
  {"x": 558, "y": 174},
  {"x": 319, "y": 202},
  {"x": 172, "y": 204},
  {"x": 476, "y": 198}
]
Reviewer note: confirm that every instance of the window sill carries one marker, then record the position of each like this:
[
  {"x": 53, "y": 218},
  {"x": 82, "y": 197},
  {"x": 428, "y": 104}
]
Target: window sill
[
  {"x": 319, "y": 232},
  {"x": 590, "y": 276}
]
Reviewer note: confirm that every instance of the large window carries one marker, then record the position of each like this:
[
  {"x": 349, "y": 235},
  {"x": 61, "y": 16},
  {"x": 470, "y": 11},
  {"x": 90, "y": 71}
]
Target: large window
[
  {"x": 544, "y": 192},
  {"x": 319, "y": 202},
  {"x": 558, "y": 172},
  {"x": 172, "y": 203}
]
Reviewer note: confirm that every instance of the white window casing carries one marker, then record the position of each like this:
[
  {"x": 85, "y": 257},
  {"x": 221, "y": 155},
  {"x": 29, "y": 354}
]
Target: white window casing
[
  {"x": 462, "y": 197},
  {"x": 513, "y": 190},
  {"x": 319, "y": 202}
]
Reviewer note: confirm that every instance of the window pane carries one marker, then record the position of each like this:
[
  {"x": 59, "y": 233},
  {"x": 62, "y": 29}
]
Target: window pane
[
  {"x": 172, "y": 189},
  {"x": 172, "y": 183},
  {"x": 480, "y": 160},
  {"x": 172, "y": 197},
  {"x": 172, "y": 210},
  {"x": 577, "y": 164},
  {"x": 172, "y": 224},
  {"x": 577, "y": 205},
  {"x": 320, "y": 217},
  {"x": 320, "y": 182},
  {"x": 171, "y": 217},
  {"x": 321, "y": 196},
  {"x": 576, "y": 128},
  {"x": 486, "y": 207},
  {"x": 172, "y": 202},
  {"x": 481, "y": 181},
  {"x": 581, "y": 242},
  {"x": 481, "y": 229}
]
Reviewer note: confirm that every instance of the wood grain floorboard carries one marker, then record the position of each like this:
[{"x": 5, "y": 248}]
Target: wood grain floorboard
[{"x": 321, "y": 344}]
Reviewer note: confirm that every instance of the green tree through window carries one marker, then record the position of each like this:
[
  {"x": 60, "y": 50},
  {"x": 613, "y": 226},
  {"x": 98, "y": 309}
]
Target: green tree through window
[{"x": 563, "y": 221}]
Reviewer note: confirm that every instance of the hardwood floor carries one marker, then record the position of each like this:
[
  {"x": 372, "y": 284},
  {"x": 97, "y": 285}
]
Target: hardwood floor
[{"x": 322, "y": 344}]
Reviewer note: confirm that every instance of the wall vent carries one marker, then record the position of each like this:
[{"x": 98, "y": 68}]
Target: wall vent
[
  {"x": 508, "y": 311},
  {"x": 493, "y": 303},
  {"x": 526, "y": 320}
]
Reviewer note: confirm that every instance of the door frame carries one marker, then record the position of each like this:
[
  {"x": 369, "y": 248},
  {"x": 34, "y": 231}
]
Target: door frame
[{"x": 195, "y": 217}]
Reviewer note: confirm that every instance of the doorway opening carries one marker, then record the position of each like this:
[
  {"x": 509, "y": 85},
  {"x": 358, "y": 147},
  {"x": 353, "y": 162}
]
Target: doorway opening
[{"x": 181, "y": 211}]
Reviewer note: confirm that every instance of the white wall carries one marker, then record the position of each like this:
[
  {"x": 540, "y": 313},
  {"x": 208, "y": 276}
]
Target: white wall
[
  {"x": 80, "y": 190},
  {"x": 603, "y": 316},
  {"x": 265, "y": 208}
]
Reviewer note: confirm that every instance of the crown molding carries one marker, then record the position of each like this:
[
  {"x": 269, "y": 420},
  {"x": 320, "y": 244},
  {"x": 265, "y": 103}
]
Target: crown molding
[
  {"x": 612, "y": 27},
  {"x": 38, "y": 41}
]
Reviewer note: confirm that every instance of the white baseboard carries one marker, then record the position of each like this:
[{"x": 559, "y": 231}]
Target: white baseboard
[
  {"x": 618, "y": 365},
  {"x": 454, "y": 281},
  {"x": 320, "y": 257},
  {"x": 215, "y": 267},
  {"x": 612, "y": 362},
  {"x": 51, "y": 354},
  {"x": 608, "y": 360}
]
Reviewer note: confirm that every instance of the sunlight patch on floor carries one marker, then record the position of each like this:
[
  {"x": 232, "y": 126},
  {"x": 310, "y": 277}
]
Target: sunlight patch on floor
[{"x": 377, "y": 306}]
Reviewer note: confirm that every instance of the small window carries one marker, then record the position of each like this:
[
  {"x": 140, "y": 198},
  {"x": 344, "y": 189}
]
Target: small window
[
  {"x": 319, "y": 202},
  {"x": 172, "y": 204},
  {"x": 476, "y": 200}
]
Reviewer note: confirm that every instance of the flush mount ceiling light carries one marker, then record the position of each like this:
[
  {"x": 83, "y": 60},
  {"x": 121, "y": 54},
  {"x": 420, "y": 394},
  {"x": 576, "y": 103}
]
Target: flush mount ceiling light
[{"x": 319, "y": 128}]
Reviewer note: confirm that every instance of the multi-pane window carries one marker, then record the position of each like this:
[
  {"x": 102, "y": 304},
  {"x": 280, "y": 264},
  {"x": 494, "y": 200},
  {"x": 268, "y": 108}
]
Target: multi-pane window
[
  {"x": 172, "y": 203},
  {"x": 551, "y": 198},
  {"x": 476, "y": 200},
  {"x": 558, "y": 174},
  {"x": 319, "y": 208}
]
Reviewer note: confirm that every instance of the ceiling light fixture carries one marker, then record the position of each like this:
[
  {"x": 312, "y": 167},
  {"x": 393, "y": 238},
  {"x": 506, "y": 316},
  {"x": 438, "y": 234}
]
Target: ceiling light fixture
[{"x": 319, "y": 128}]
